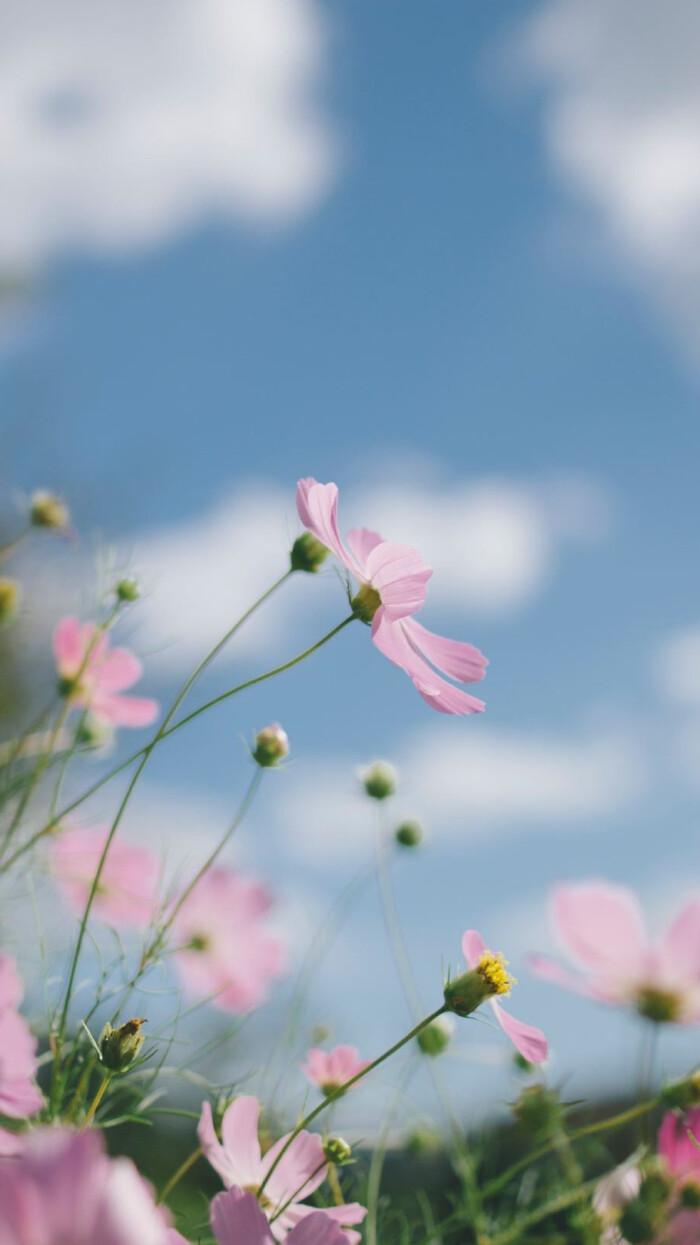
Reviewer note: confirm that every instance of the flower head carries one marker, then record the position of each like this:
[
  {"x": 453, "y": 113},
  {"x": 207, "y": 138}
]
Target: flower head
[
  {"x": 392, "y": 582},
  {"x": 19, "y": 1094},
  {"x": 488, "y": 978},
  {"x": 237, "y": 1219},
  {"x": 61, "y": 1187},
  {"x": 601, "y": 926},
  {"x": 331, "y": 1069},
  {"x": 299, "y": 1172},
  {"x": 225, "y": 948},
  {"x": 94, "y": 676},
  {"x": 128, "y": 887}
]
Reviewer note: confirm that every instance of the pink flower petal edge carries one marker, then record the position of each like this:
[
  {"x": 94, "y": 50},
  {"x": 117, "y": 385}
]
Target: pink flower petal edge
[{"x": 102, "y": 675}]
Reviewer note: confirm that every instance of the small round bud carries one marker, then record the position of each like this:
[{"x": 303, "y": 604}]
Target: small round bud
[
  {"x": 49, "y": 510},
  {"x": 435, "y": 1037},
  {"x": 271, "y": 745},
  {"x": 409, "y": 834},
  {"x": 94, "y": 733},
  {"x": 379, "y": 780},
  {"x": 119, "y": 1047},
  {"x": 337, "y": 1151},
  {"x": 10, "y": 595},
  {"x": 682, "y": 1094},
  {"x": 320, "y": 1034},
  {"x": 422, "y": 1141},
  {"x": 307, "y": 554},
  {"x": 690, "y": 1196},
  {"x": 127, "y": 590},
  {"x": 539, "y": 1110}
]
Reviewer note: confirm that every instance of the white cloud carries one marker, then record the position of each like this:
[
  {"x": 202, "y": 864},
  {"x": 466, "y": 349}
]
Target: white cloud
[
  {"x": 622, "y": 128},
  {"x": 677, "y": 665},
  {"x": 121, "y": 125}
]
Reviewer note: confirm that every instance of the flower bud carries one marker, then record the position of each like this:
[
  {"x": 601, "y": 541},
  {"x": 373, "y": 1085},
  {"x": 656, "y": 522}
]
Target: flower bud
[
  {"x": 337, "y": 1151},
  {"x": 422, "y": 1141},
  {"x": 119, "y": 1047},
  {"x": 539, "y": 1110},
  {"x": 271, "y": 745},
  {"x": 379, "y": 780},
  {"x": 94, "y": 732},
  {"x": 10, "y": 595},
  {"x": 689, "y": 1196},
  {"x": 307, "y": 554},
  {"x": 471, "y": 989},
  {"x": 435, "y": 1037},
  {"x": 319, "y": 1034},
  {"x": 127, "y": 590},
  {"x": 409, "y": 834},
  {"x": 48, "y": 510},
  {"x": 521, "y": 1064},
  {"x": 682, "y": 1094}
]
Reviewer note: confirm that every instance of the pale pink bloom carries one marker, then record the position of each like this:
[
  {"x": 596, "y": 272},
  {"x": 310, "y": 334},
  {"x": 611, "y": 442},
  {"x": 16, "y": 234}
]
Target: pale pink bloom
[
  {"x": 62, "y": 1189},
  {"x": 601, "y": 925},
  {"x": 395, "y": 576},
  {"x": 107, "y": 674},
  {"x": 226, "y": 949},
  {"x": 530, "y": 1042},
  {"x": 676, "y": 1146},
  {"x": 298, "y": 1174},
  {"x": 611, "y": 1196},
  {"x": 237, "y": 1219},
  {"x": 19, "y": 1094},
  {"x": 128, "y": 887},
  {"x": 329, "y": 1069}
]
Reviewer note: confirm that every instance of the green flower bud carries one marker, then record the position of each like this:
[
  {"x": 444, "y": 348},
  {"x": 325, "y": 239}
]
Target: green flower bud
[
  {"x": 48, "y": 510},
  {"x": 119, "y": 1047},
  {"x": 127, "y": 590},
  {"x": 539, "y": 1110},
  {"x": 682, "y": 1094},
  {"x": 409, "y": 834},
  {"x": 319, "y": 1035},
  {"x": 94, "y": 732},
  {"x": 271, "y": 745},
  {"x": 337, "y": 1151},
  {"x": 690, "y": 1196},
  {"x": 307, "y": 554},
  {"x": 435, "y": 1037},
  {"x": 422, "y": 1141},
  {"x": 521, "y": 1064},
  {"x": 379, "y": 780},
  {"x": 10, "y": 595}
]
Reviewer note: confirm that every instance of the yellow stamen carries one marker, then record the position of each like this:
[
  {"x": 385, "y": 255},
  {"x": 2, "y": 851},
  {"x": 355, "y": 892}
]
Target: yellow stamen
[{"x": 494, "y": 969}]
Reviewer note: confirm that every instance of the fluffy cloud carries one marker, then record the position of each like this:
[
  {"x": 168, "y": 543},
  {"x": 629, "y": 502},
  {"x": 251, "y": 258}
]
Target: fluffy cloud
[
  {"x": 678, "y": 666},
  {"x": 123, "y": 124},
  {"x": 622, "y": 128}
]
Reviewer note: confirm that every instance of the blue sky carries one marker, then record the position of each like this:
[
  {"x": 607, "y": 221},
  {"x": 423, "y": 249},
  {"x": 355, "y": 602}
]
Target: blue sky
[{"x": 450, "y": 311}]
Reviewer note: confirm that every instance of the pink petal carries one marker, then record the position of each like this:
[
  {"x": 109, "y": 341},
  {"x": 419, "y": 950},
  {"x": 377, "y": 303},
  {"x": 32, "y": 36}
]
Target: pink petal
[
  {"x": 399, "y": 575},
  {"x": 118, "y": 670},
  {"x": 680, "y": 946},
  {"x": 237, "y": 1219},
  {"x": 392, "y": 641},
  {"x": 239, "y": 1131},
  {"x": 11, "y": 988},
  {"x": 473, "y": 947},
  {"x": 301, "y": 1169},
  {"x": 459, "y": 660},
  {"x": 231, "y": 1171},
  {"x": 318, "y": 1228},
  {"x": 125, "y": 710},
  {"x": 601, "y": 924},
  {"x": 362, "y": 541},
  {"x": 317, "y": 506},
  {"x": 676, "y": 1147},
  {"x": 530, "y": 1042},
  {"x": 68, "y": 645},
  {"x": 549, "y": 970},
  {"x": 10, "y": 1144}
]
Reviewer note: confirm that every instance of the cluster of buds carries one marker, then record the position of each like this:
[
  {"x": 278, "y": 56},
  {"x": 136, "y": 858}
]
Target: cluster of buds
[
  {"x": 271, "y": 746},
  {"x": 119, "y": 1047}
]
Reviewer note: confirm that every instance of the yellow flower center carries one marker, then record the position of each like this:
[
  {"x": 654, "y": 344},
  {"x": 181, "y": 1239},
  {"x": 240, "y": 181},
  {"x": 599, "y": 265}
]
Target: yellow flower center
[{"x": 494, "y": 970}]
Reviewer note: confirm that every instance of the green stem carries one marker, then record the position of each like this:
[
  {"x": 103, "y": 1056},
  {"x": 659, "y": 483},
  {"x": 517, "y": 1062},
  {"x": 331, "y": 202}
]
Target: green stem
[
  {"x": 561, "y": 1202},
  {"x": 181, "y": 1171},
  {"x": 376, "y": 1166}
]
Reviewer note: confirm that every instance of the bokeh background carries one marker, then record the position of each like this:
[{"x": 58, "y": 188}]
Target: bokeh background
[{"x": 447, "y": 255}]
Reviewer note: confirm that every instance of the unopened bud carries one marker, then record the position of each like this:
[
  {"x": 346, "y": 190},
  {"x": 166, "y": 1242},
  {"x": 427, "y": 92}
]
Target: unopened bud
[
  {"x": 689, "y": 1196},
  {"x": 471, "y": 989},
  {"x": 307, "y": 554},
  {"x": 48, "y": 510},
  {"x": 119, "y": 1047},
  {"x": 539, "y": 1110},
  {"x": 127, "y": 590},
  {"x": 10, "y": 594},
  {"x": 409, "y": 834},
  {"x": 337, "y": 1151},
  {"x": 682, "y": 1094},
  {"x": 422, "y": 1141},
  {"x": 94, "y": 732},
  {"x": 379, "y": 780},
  {"x": 435, "y": 1037},
  {"x": 319, "y": 1034},
  {"x": 271, "y": 745}
]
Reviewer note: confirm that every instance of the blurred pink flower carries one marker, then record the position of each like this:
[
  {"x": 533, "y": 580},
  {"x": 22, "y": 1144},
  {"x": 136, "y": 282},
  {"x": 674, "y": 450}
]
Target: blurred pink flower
[
  {"x": 62, "y": 1187},
  {"x": 237, "y": 1219},
  {"x": 676, "y": 1146},
  {"x": 392, "y": 581},
  {"x": 298, "y": 1174},
  {"x": 681, "y": 1157},
  {"x": 225, "y": 947},
  {"x": 19, "y": 1095},
  {"x": 128, "y": 887},
  {"x": 108, "y": 672},
  {"x": 601, "y": 926},
  {"x": 530, "y": 1042},
  {"x": 331, "y": 1069}
]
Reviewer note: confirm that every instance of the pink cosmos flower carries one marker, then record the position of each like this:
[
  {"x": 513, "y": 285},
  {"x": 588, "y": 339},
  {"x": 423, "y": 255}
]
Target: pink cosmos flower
[
  {"x": 62, "y": 1187},
  {"x": 298, "y": 1174},
  {"x": 530, "y": 1042},
  {"x": 331, "y": 1069},
  {"x": 226, "y": 949},
  {"x": 19, "y": 1095},
  {"x": 601, "y": 926},
  {"x": 237, "y": 1219},
  {"x": 392, "y": 579},
  {"x": 128, "y": 886},
  {"x": 681, "y": 1158},
  {"x": 108, "y": 672}
]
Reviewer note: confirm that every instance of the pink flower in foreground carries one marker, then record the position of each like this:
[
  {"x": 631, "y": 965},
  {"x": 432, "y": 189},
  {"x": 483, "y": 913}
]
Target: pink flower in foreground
[
  {"x": 19, "y": 1095},
  {"x": 107, "y": 674},
  {"x": 226, "y": 949},
  {"x": 487, "y": 978},
  {"x": 331, "y": 1069},
  {"x": 298, "y": 1174},
  {"x": 392, "y": 579},
  {"x": 681, "y": 1158},
  {"x": 601, "y": 926},
  {"x": 128, "y": 887},
  {"x": 237, "y": 1219},
  {"x": 63, "y": 1188}
]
